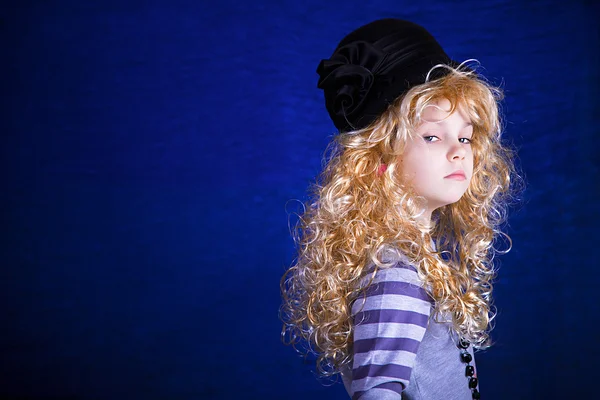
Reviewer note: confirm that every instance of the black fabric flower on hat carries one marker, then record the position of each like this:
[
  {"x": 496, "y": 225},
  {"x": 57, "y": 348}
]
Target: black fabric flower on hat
[
  {"x": 348, "y": 77},
  {"x": 373, "y": 66}
]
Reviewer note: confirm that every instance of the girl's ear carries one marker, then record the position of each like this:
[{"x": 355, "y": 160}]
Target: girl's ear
[{"x": 381, "y": 169}]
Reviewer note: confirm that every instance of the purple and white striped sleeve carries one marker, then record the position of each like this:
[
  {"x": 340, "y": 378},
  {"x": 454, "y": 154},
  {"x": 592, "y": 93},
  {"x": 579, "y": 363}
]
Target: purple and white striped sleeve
[{"x": 389, "y": 324}]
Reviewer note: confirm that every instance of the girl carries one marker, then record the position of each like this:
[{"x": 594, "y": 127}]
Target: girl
[{"x": 393, "y": 280}]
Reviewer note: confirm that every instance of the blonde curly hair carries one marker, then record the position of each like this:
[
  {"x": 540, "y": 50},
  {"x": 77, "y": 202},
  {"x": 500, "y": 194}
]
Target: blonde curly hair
[{"x": 356, "y": 213}]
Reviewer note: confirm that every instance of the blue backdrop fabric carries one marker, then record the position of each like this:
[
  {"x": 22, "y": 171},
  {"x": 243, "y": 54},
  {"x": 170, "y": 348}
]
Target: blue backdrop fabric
[{"x": 151, "y": 154}]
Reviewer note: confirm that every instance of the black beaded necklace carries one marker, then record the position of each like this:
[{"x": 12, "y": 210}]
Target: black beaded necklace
[{"x": 466, "y": 357}]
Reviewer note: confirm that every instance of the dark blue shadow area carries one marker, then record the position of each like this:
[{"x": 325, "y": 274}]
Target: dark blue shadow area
[{"x": 150, "y": 152}]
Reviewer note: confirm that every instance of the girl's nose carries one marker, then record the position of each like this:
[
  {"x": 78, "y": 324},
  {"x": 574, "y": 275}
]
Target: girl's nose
[{"x": 457, "y": 152}]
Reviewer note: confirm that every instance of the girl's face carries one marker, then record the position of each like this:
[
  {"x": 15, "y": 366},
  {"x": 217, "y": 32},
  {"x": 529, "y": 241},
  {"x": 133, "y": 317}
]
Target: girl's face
[{"x": 440, "y": 149}]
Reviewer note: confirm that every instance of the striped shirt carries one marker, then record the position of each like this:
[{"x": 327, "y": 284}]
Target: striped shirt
[{"x": 398, "y": 351}]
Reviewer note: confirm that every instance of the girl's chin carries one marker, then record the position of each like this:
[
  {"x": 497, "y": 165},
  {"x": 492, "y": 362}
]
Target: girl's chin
[{"x": 446, "y": 201}]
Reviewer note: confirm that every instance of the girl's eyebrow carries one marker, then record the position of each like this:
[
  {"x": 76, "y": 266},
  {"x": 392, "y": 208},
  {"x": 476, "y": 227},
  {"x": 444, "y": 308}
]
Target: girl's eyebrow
[
  {"x": 445, "y": 123},
  {"x": 466, "y": 125}
]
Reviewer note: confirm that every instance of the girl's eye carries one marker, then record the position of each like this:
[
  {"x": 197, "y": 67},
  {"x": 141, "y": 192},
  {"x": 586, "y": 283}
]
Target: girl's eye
[{"x": 432, "y": 138}]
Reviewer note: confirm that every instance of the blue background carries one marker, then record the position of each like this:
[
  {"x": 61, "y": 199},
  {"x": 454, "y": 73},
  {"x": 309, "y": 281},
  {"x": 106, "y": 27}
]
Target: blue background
[{"x": 151, "y": 152}]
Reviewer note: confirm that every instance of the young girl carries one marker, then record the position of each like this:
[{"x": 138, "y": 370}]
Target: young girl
[{"x": 392, "y": 284}]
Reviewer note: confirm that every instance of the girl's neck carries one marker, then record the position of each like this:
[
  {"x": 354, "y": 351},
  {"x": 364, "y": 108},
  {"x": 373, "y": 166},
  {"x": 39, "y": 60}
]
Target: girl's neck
[{"x": 424, "y": 220}]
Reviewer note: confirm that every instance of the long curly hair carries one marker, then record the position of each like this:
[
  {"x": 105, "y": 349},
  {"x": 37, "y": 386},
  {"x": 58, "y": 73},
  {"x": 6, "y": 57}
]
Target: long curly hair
[{"x": 356, "y": 212}]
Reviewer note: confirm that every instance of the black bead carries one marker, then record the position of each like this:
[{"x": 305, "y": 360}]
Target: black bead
[
  {"x": 473, "y": 383},
  {"x": 463, "y": 344},
  {"x": 466, "y": 357},
  {"x": 470, "y": 370},
  {"x": 476, "y": 394}
]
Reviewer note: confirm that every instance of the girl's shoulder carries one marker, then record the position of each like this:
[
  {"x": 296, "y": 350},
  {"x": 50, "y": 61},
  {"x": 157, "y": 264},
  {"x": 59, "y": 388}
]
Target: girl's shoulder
[
  {"x": 395, "y": 284},
  {"x": 396, "y": 267}
]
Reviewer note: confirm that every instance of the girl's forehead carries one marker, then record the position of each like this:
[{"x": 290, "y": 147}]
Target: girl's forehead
[{"x": 439, "y": 110}]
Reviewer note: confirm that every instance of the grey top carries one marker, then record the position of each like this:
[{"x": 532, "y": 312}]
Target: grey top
[{"x": 399, "y": 351}]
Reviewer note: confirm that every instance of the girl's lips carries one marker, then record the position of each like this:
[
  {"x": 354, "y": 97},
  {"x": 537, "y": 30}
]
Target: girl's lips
[
  {"x": 458, "y": 177},
  {"x": 459, "y": 173}
]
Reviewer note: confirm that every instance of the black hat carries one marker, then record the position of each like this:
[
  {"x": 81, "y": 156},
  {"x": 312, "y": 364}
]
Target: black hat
[{"x": 374, "y": 65}]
